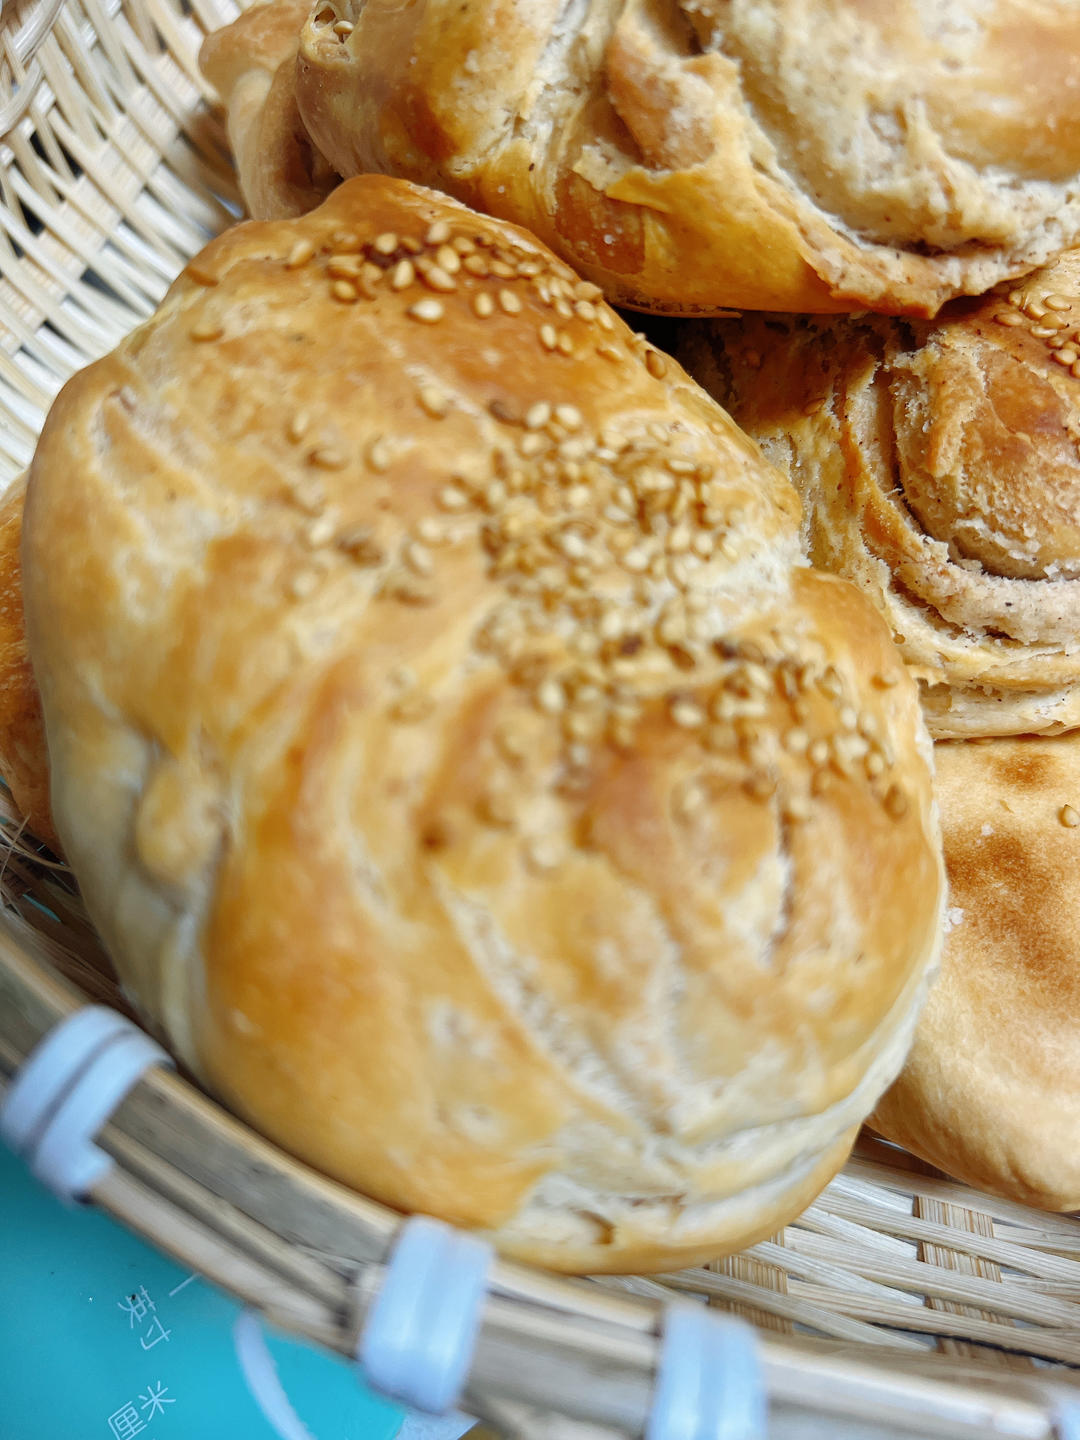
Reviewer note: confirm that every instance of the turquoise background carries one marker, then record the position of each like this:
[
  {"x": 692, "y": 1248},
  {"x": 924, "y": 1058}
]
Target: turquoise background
[{"x": 72, "y": 1358}]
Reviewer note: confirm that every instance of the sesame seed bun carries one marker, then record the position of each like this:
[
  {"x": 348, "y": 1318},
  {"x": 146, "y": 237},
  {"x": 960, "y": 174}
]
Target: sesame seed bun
[{"x": 456, "y": 754}]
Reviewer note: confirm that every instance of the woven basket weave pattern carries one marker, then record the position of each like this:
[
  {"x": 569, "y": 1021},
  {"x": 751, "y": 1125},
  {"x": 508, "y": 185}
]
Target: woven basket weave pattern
[{"x": 113, "y": 172}]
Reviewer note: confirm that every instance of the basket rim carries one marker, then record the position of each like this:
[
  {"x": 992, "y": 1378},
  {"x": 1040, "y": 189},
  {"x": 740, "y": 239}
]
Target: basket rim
[{"x": 268, "y": 1244}]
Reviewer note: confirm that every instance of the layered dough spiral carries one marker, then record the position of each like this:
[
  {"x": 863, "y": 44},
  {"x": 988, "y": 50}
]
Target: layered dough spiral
[{"x": 939, "y": 466}]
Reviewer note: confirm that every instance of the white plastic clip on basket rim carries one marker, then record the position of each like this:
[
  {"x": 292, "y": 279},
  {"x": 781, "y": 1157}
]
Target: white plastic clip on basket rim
[{"x": 66, "y": 1091}]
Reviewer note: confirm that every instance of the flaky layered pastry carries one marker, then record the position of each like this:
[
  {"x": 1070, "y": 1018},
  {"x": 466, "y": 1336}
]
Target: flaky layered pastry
[
  {"x": 689, "y": 155},
  {"x": 939, "y": 466},
  {"x": 252, "y": 65},
  {"x": 988, "y": 1093},
  {"x": 455, "y": 753}
]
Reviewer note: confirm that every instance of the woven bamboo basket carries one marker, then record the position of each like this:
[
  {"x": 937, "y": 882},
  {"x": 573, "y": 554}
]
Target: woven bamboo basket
[{"x": 899, "y": 1304}]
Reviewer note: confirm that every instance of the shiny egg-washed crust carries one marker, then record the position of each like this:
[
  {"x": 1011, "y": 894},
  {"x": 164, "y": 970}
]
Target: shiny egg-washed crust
[
  {"x": 989, "y": 1093},
  {"x": 24, "y": 761},
  {"x": 455, "y": 753},
  {"x": 252, "y": 65},
  {"x": 939, "y": 467},
  {"x": 691, "y": 155}
]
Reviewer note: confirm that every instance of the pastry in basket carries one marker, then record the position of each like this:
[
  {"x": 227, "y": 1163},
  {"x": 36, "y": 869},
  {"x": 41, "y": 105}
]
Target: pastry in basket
[
  {"x": 939, "y": 466},
  {"x": 989, "y": 1091},
  {"x": 770, "y": 154},
  {"x": 24, "y": 764},
  {"x": 252, "y": 65},
  {"x": 458, "y": 759}
]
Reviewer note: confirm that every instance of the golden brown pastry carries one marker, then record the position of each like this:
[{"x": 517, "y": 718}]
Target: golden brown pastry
[
  {"x": 689, "y": 155},
  {"x": 989, "y": 1091},
  {"x": 24, "y": 761},
  {"x": 939, "y": 466},
  {"x": 252, "y": 65},
  {"x": 455, "y": 754}
]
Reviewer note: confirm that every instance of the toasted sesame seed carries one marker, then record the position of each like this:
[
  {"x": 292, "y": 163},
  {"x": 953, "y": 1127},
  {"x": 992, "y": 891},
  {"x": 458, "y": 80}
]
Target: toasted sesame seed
[
  {"x": 886, "y": 681},
  {"x": 874, "y": 764},
  {"x": 418, "y": 558},
  {"x": 569, "y": 416},
  {"x": 343, "y": 29},
  {"x": 551, "y": 697},
  {"x": 689, "y": 799},
  {"x": 1076, "y": 370},
  {"x": 1069, "y": 817},
  {"x": 300, "y": 254},
  {"x": 345, "y": 240},
  {"x": 452, "y": 498},
  {"x": 386, "y": 243},
  {"x": 1057, "y": 302},
  {"x": 1067, "y": 355},
  {"x": 686, "y": 714},
  {"x": 436, "y": 278},
  {"x": 320, "y": 531},
  {"x": 1035, "y": 310},
  {"x": 344, "y": 267},
  {"x": 818, "y": 752},
  {"x": 448, "y": 259},
  {"x": 565, "y": 345},
  {"x": 429, "y": 310},
  {"x": 537, "y": 415},
  {"x": 1016, "y": 297},
  {"x": 303, "y": 583},
  {"x": 548, "y": 337},
  {"x": 343, "y": 291},
  {"x": 1012, "y": 318},
  {"x": 433, "y": 401},
  {"x": 655, "y": 364},
  {"x": 328, "y": 457},
  {"x": 1044, "y": 332},
  {"x": 378, "y": 456},
  {"x": 298, "y": 426},
  {"x": 585, "y": 310},
  {"x": 896, "y": 802},
  {"x": 403, "y": 275},
  {"x": 207, "y": 329},
  {"x": 438, "y": 233},
  {"x": 609, "y": 352},
  {"x": 542, "y": 854},
  {"x": 476, "y": 265},
  {"x": 502, "y": 270},
  {"x": 483, "y": 304},
  {"x": 509, "y": 302}
]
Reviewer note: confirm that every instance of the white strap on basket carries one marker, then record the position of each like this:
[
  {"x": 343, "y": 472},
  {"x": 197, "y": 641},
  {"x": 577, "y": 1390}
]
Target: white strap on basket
[
  {"x": 418, "y": 1339},
  {"x": 66, "y": 1090},
  {"x": 264, "y": 1383},
  {"x": 709, "y": 1382},
  {"x": 263, "y": 1380}
]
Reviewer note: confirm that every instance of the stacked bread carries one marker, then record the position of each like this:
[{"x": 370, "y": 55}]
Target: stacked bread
[{"x": 463, "y": 761}]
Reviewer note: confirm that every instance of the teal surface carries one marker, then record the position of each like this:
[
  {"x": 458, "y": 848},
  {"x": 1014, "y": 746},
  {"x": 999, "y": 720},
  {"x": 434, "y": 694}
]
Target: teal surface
[{"x": 102, "y": 1338}]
